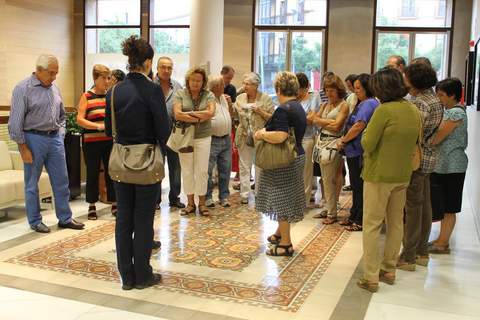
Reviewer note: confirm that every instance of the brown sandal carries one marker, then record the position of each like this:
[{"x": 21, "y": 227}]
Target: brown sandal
[
  {"x": 203, "y": 209},
  {"x": 346, "y": 222},
  {"x": 274, "y": 239},
  {"x": 354, "y": 227},
  {"x": 92, "y": 213},
  {"x": 189, "y": 209},
  {"x": 367, "y": 285},
  {"x": 287, "y": 251},
  {"x": 329, "y": 220}
]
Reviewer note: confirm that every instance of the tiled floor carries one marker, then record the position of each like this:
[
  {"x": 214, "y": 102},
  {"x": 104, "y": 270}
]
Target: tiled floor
[{"x": 215, "y": 268}]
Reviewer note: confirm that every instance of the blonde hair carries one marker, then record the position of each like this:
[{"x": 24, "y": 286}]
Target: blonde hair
[
  {"x": 200, "y": 71},
  {"x": 286, "y": 83},
  {"x": 100, "y": 70}
]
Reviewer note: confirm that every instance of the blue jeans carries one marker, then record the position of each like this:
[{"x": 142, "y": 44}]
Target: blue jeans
[
  {"x": 47, "y": 151},
  {"x": 221, "y": 155}
]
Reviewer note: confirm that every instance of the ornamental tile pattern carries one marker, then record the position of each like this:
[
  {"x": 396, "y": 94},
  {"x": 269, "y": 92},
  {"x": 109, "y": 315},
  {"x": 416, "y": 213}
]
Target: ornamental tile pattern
[{"x": 229, "y": 240}]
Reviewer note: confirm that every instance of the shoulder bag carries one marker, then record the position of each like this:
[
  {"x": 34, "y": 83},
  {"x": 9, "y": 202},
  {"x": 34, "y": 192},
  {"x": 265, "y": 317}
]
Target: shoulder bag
[
  {"x": 417, "y": 155},
  {"x": 182, "y": 135},
  {"x": 271, "y": 156},
  {"x": 137, "y": 163}
]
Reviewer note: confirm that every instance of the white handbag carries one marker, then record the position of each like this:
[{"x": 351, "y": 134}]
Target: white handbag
[{"x": 324, "y": 152}]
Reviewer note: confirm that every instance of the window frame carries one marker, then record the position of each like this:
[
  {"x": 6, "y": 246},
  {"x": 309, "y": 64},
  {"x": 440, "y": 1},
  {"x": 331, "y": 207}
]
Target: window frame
[
  {"x": 449, "y": 31},
  {"x": 289, "y": 29},
  {"x": 101, "y": 26}
]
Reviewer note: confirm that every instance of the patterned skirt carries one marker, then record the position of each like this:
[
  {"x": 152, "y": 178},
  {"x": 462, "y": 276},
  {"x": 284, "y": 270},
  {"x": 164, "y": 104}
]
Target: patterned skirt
[{"x": 281, "y": 192}]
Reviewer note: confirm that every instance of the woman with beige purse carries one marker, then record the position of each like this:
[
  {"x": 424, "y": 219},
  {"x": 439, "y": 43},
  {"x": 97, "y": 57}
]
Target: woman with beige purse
[
  {"x": 193, "y": 107},
  {"x": 137, "y": 117}
]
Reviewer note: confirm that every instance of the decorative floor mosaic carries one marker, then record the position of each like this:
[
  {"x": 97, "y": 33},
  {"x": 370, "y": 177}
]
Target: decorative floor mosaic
[{"x": 219, "y": 243}]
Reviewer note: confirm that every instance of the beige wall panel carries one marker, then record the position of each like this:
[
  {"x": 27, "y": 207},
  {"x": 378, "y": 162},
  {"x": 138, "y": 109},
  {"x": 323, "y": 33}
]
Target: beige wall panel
[
  {"x": 461, "y": 37},
  {"x": 32, "y": 27},
  {"x": 350, "y": 36},
  {"x": 237, "y": 38}
]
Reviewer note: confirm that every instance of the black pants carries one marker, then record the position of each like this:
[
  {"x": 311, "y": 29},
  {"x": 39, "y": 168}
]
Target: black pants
[
  {"x": 94, "y": 153},
  {"x": 356, "y": 181},
  {"x": 174, "y": 175},
  {"x": 134, "y": 231}
]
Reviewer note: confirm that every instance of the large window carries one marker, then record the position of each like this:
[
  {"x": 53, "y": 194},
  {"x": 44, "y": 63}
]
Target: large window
[
  {"x": 170, "y": 34},
  {"x": 109, "y": 22},
  {"x": 289, "y": 35},
  {"x": 414, "y": 28}
]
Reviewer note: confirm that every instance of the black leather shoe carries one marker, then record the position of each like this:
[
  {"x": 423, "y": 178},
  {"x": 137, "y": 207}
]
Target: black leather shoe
[
  {"x": 155, "y": 279},
  {"x": 71, "y": 225},
  {"x": 156, "y": 245},
  {"x": 127, "y": 286},
  {"x": 177, "y": 204},
  {"x": 40, "y": 228}
]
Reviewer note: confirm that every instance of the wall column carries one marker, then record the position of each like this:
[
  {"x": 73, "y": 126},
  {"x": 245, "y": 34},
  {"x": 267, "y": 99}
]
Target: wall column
[{"x": 206, "y": 34}]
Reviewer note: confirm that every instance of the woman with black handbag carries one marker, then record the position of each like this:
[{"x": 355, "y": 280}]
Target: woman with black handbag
[
  {"x": 140, "y": 117},
  {"x": 281, "y": 193}
]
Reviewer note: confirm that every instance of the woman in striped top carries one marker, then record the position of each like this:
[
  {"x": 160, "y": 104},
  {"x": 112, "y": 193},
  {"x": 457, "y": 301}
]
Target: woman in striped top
[{"x": 96, "y": 144}]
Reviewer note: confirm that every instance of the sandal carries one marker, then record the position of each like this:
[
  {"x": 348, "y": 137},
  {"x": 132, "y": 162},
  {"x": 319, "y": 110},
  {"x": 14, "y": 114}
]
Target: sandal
[
  {"x": 92, "y": 213},
  {"x": 435, "y": 249},
  {"x": 386, "y": 277},
  {"x": 274, "y": 239},
  {"x": 191, "y": 208},
  {"x": 114, "y": 210},
  {"x": 346, "y": 222},
  {"x": 322, "y": 215},
  {"x": 354, "y": 227},
  {"x": 203, "y": 210},
  {"x": 329, "y": 221},
  {"x": 367, "y": 285},
  {"x": 287, "y": 251}
]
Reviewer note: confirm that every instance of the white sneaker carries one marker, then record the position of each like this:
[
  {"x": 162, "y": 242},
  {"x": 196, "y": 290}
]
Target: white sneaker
[
  {"x": 224, "y": 203},
  {"x": 209, "y": 203}
]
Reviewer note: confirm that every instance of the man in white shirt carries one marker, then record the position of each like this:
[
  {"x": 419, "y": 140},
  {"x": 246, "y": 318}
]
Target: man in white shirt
[{"x": 221, "y": 147}]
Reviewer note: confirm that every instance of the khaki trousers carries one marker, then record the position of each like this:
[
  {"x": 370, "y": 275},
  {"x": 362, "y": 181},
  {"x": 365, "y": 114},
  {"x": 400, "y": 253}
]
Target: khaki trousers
[
  {"x": 382, "y": 201},
  {"x": 195, "y": 167},
  {"x": 329, "y": 178},
  {"x": 308, "y": 169}
]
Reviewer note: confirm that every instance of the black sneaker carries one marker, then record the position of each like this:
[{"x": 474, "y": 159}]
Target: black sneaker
[{"x": 155, "y": 279}]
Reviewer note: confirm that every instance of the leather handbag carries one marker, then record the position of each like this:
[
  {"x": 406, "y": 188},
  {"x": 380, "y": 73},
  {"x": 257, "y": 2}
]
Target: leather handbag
[
  {"x": 324, "y": 151},
  {"x": 137, "y": 163},
  {"x": 271, "y": 156},
  {"x": 181, "y": 137}
]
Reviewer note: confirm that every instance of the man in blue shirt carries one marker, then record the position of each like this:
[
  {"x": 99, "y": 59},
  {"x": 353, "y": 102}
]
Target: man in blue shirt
[
  {"x": 170, "y": 87},
  {"x": 37, "y": 125}
]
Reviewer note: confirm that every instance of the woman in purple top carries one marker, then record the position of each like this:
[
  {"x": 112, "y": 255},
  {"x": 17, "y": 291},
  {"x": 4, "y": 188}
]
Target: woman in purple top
[{"x": 350, "y": 143}]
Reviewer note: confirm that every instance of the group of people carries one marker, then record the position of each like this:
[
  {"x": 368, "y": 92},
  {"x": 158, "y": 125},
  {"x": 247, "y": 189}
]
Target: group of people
[{"x": 402, "y": 133}]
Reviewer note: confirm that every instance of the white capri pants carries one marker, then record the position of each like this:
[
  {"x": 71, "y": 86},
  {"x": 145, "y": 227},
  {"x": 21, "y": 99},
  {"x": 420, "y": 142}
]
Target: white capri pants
[{"x": 195, "y": 167}]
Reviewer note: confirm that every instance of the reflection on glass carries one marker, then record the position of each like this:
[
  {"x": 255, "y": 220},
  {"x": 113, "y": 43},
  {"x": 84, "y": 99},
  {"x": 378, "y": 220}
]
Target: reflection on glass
[
  {"x": 174, "y": 43},
  {"x": 292, "y": 12},
  {"x": 271, "y": 49},
  {"x": 434, "y": 47},
  {"x": 389, "y": 44},
  {"x": 307, "y": 55},
  {"x": 104, "y": 46},
  {"x": 112, "y": 12},
  {"x": 163, "y": 12},
  {"x": 414, "y": 13}
]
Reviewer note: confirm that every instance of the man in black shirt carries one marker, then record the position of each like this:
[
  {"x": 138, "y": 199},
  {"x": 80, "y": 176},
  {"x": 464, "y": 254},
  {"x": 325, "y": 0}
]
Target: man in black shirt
[{"x": 230, "y": 91}]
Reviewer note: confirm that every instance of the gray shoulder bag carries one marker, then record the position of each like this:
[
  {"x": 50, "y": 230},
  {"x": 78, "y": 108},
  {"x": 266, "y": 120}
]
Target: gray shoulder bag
[{"x": 137, "y": 163}]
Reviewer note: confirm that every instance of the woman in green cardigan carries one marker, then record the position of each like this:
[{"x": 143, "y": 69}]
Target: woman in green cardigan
[{"x": 389, "y": 146}]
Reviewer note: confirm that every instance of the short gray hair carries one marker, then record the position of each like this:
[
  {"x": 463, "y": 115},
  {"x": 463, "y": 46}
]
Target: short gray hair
[
  {"x": 253, "y": 78},
  {"x": 44, "y": 60},
  {"x": 164, "y": 58},
  {"x": 214, "y": 81}
]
